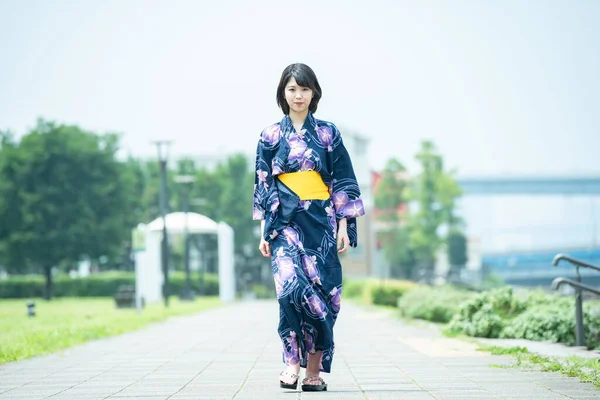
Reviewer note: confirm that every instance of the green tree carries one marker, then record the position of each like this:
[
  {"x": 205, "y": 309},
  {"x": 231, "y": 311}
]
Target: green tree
[
  {"x": 389, "y": 198},
  {"x": 434, "y": 193},
  {"x": 68, "y": 196},
  {"x": 390, "y": 190},
  {"x": 457, "y": 249}
]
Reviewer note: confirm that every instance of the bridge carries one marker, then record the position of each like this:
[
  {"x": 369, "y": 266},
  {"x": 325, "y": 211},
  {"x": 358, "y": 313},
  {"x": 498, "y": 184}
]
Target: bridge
[{"x": 531, "y": 185}]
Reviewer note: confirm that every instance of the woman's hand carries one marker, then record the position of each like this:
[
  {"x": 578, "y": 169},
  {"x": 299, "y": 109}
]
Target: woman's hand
[
  {"x": 265, "y": 248},
  {"x": 342, "y": 236}
]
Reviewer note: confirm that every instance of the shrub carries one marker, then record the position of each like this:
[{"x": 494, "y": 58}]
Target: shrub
[
  {"x": 486, "y": 314},
  {"x": 210, "y": 285},
  {"x": 532, "y": 315},
  {"x": 24, "y": 286},
  {"x": 353, "y": 288},
  {"x": 103, "y": 284},
  {"x": 437, "y": 304},
  {"x": 375, "y": 291},
  {"x": 388, "y": 293},
  {"x": 262, "y": 291},
  {"x": 555, "y": 321}
]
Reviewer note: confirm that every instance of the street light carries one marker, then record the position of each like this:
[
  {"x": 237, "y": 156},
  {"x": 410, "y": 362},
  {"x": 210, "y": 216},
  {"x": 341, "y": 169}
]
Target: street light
[
  {"x": 163, "y": 150},
  {"x": 186, "y": 181}
]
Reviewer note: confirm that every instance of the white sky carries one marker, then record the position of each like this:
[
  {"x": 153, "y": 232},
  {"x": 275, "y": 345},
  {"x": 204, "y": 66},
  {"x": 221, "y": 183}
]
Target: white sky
[{"x": 502, "y": 87}]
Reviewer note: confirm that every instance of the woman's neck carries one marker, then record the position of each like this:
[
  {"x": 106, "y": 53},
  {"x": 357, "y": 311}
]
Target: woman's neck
[{"x": 298, "y": 118}]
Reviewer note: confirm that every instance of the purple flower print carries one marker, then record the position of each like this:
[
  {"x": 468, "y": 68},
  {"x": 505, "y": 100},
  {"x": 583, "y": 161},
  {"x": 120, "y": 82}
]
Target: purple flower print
[
  {"x": 278, "y": 285},
  {"x": 290, "y": 349},
  {"x": 354, "y": 209},
  {"x": 305, "y": 204},
  {"x": 316, "y": 306},
  {"x": 277, "y": 170},
  {"x": 291, "y": 235},
  {"x": 307, "y": 165},
  {"x": 309, "y": 264},
  {"x": 257, "y": 213},
  {"x": 332, "y": 220},
  {"x": 336, "y": 299},
  {"x": 309, "y": 342},
  {"x": 272, "y": 134},
  {"x": 297, "y": 148},
  {"x": 340, "y": 199},
  {"x": 273, "y": 234},
  {"x": 274, "y": 204},
  {"x": 325, "y": 135},
  {"x": 285, "y": 268},
  {"x": 262, "y": 176}
]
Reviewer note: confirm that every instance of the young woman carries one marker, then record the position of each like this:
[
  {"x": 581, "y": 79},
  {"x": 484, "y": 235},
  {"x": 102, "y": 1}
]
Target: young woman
[{"x": 307, "y": 198}]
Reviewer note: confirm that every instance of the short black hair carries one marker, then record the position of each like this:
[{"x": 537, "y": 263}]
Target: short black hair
[{"x": 305, "y": 77}]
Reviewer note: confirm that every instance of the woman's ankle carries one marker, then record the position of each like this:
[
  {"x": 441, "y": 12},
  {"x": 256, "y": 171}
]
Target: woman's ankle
[{"x": 294, "y": 368}]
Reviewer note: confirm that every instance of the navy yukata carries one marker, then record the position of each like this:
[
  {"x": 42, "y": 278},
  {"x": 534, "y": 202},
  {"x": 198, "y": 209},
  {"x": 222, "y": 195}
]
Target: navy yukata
[{"x": 306, "y": 267}]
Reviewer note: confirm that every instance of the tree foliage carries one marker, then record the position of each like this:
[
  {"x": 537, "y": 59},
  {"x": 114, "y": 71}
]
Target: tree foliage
[
  {"x": 410, "y": 244},
  {"x": 390, "y": 197},
  {"x": 434, "y": 193},
  {"x": 65, "y": 195}
]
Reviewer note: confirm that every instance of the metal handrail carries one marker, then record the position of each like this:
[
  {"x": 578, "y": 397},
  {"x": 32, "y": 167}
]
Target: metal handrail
[
  {"x": 559, "y": 281},
  {"x": 577, "y": 263},
  {"x": 579, "y": 332}
]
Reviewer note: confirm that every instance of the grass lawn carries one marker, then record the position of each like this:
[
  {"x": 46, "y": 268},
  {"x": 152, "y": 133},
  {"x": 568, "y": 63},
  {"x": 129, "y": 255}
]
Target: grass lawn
[{"x": 65, "y": 322}]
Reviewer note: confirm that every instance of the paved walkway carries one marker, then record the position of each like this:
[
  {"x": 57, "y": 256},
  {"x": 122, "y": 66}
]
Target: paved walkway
[{"x": 234, "y": 353}]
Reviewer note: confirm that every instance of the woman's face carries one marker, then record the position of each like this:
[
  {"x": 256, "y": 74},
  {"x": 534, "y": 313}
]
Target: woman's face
[{"x": 297, "y": 97}]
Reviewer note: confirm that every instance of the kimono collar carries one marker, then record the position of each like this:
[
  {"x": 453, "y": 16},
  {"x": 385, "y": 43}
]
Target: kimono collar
[{"x": 310, "y": 123}]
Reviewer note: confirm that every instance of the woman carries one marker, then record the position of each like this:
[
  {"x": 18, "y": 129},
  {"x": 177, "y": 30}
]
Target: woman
[{"x": 307, "y": 198}]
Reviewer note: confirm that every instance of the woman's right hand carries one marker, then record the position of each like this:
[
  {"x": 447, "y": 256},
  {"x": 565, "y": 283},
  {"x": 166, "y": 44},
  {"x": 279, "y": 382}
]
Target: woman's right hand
[{"x": 265, "y": 248}]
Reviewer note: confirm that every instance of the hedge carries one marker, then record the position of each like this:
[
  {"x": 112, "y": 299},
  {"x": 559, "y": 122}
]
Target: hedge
[
  {"x": 502, "y": 313},
  {"x": 437, "y": 304},
  {"x": 374, "y": 291},
  {"x": 103, "y": 284}
]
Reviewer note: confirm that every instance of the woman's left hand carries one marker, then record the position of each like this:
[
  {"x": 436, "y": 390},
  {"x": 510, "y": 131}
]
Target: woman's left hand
[{"x": 342, "y": 236}]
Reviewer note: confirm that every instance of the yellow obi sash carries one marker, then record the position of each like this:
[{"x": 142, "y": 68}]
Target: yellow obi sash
[{"x": 308, "y": 185}]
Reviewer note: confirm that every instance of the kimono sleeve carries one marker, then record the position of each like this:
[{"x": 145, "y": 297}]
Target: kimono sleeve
[
  {"x": 265, "y": 192},
  {"x": 346, "y": 192}
]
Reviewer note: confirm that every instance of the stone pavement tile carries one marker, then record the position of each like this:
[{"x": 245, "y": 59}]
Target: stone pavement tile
[
  {"x": 70, "y": 396},
  {"x": 209, "y": 390},
  {"x": 536, "y": 396},
  {"x": 148, "y": 390},
  {"x": 27, "y": 394},
  {"x": 398, "y": 395},
  {"x": 400, "y": 387},
  {"x": 198, "y": 397},
  {"x": 93, "y": 390},
  {"x": 530, "y": 394},
  {"x": 585, "y": 390},
  {"x": 474, "y": 394},
  {"x": 23, "y": 396},
  {"x": 140, "y": 398}
]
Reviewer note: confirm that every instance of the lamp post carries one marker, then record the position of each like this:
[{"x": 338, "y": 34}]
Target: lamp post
[
  {"x": 163, "y": 149},
  {"x": 186, "y": 181}
]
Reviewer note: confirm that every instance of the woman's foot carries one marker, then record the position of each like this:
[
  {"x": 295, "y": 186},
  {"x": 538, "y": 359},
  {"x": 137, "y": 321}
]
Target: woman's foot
[
  {"x": 288, "y": 378},
  {"x": 313, "y": 384}
]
